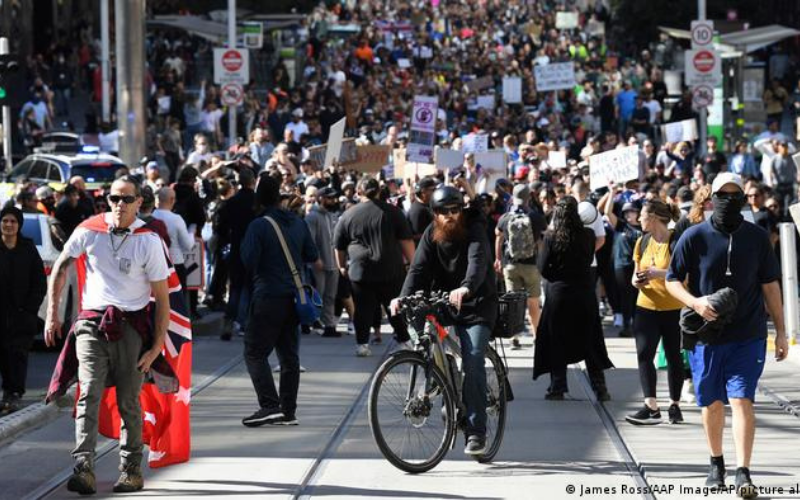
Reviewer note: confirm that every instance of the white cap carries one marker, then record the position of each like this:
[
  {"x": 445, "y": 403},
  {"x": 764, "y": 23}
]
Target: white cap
[
  {"x": 298, "y": 113},
  {"x": 726, "y": 178}
]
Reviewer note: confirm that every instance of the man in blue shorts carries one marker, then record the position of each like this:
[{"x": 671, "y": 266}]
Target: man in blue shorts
[{"x": 727, "y": 251}]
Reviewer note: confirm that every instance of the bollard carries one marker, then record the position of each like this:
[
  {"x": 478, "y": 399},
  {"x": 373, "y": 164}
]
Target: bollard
[{"x": 789, "y": 274}]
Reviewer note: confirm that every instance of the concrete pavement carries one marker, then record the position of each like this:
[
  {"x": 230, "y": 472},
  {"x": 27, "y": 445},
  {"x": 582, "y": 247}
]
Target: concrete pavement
[{"x": 549, "y": 447}]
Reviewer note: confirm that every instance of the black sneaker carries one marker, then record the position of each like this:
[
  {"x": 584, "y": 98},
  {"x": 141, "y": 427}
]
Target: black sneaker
[
  {"x": 744, "y": 485},
  {"x": 626, "y": 332},
  {"x": 645, "y": 416},
  {"x": 476, "y": 445},
  {"x": 554, "y": 396},
  {"x": 602, "y": 394},
  {"x": 675, "y": 414},
  {"x": 288, "y": 419},
  {"x": 11, "y": 402},
  {"x": 262, "y": 416},
  {"x": 716, "y": 477},
  {"x": 330, "y": 331}
]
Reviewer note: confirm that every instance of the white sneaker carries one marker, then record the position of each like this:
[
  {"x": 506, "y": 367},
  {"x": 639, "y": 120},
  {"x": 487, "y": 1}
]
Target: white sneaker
[
  {"x": 687, "y": 393},
  {"x": 351, "y": 329},
  {"x": 277, "y": 369},
  {"x": 362, "y": 351},
  {"x": 618, "y": 320}
]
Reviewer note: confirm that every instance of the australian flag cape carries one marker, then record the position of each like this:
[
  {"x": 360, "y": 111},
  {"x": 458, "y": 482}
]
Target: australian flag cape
[{"x": 166, "y": 395}]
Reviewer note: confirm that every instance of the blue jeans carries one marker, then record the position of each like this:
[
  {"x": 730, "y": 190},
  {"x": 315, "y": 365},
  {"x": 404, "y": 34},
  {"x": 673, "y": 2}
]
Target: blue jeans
[{"x": 474, "y": 339}]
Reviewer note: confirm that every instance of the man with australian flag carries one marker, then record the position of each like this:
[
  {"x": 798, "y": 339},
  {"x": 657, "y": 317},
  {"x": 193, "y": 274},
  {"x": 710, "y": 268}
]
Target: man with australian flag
[{"x": 132, "y": 328}]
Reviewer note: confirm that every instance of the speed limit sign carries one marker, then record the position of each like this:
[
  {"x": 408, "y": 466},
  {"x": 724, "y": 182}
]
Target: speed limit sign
[{"x": 702, "y": 34}]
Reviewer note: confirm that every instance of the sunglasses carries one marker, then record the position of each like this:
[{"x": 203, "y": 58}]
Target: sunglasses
[
  {"x": 448, "y": 211},
  {"x": 727, "y": 196},
  {"x": 115, "y": 198}
]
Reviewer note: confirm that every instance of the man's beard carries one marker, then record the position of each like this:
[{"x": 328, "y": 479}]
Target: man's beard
[{"x": 451, "y": 230}]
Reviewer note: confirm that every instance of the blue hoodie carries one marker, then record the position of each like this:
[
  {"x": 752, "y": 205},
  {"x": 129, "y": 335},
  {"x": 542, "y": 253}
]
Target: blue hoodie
[{"x": 263, "y": 257}]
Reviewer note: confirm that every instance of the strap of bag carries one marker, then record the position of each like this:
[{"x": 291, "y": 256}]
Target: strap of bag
[{"x": 289, "y": 259}]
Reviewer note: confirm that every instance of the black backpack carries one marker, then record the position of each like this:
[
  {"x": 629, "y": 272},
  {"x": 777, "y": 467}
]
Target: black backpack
[{"x": 646, "y": 240}]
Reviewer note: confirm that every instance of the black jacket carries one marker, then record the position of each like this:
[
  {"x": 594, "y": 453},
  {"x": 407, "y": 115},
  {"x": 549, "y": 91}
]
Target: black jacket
[
  {"x": 695, "y": 329},
  {"x": 189, "y": 205},
  {"x": 233, "y": 219},
  {"x": 22, "y": 288},
  {"x": 447, "y": 266}
]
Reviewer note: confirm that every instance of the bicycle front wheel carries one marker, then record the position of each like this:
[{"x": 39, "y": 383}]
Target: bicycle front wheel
[
  {"x": 496, "y": 400},
  {"x": 411, "y": 412}
]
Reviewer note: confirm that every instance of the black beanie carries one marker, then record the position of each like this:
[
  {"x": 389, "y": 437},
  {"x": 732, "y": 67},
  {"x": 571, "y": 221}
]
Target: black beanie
[{"x": 16, "y": 212}]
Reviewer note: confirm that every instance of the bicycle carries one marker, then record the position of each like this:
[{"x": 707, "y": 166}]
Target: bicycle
[{"x": 415, "y": 401}]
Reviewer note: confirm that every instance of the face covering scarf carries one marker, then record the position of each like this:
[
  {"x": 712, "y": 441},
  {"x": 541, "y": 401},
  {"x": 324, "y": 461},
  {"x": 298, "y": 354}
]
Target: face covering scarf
[{"x": 727, "y": 213}]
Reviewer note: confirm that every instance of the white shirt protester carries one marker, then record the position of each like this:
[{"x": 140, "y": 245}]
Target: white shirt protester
[{"x": 181, "y": 241}]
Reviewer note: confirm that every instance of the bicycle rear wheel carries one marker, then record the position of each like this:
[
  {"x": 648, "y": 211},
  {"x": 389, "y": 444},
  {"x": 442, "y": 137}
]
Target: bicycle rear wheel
[
  {"x": 495, "y": 405},
  {"x": 411, "y": 412}
]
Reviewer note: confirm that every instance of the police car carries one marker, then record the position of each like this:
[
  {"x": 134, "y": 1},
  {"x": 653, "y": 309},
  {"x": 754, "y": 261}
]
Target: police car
[{"x": 55, "y": 169}]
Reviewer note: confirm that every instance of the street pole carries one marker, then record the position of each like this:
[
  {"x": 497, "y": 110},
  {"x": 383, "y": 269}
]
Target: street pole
[
  {"x": 789, "y": 275},
  {"x": 104, "y": 60},
  {"x": 703, "y": 132},
  {"x": 231, "y": 45},
  {"x": 7, "y": 126},
  {"x": 129, "y": 49}
]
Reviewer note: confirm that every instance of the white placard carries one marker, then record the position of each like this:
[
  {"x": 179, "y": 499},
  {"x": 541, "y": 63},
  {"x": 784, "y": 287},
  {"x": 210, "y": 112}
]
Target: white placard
[
  {"x": 557, "y": 159},
  {"x": 555, "y": 76},
  {"x": 512, "y": 90},
  {"x": 618, "y": 165},
  {"x": 447, "y": 159},
  {"x": 596, "y": 28},
  {"x": 403, "y": 63},
  {"x": 475, "y": 143},
  {"x": 685, "y": 130},
  {"x": 493, "y": 161},
  {"x": 194, "y": 262},
  {"x": 566, "y": 20},
  {"x": 796, "y": 159},
  {"x": 231, "y": 66},
  {"x": 423, "y": 129},
  {"x": 335, "y": 138},
  {"x": 794, "y": 211},
  {"x": 486, "y": 102}
]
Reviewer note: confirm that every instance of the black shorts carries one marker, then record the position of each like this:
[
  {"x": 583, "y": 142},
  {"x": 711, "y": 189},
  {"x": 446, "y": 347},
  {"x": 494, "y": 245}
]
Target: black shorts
[{"x": 344, "y": 289}]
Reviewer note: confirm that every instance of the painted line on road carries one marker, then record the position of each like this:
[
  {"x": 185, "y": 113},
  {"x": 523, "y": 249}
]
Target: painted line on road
[
  {"x": 635, "y": 468},
  {"x": 106, "y": 448},
  {"x": 305, "y": 489}
]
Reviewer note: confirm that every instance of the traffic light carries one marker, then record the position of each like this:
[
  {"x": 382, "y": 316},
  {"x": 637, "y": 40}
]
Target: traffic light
[{"x": 8, "y": 68}]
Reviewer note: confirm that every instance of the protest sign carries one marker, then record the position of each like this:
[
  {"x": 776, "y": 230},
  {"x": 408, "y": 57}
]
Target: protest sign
[
  {"x": 423, "y": 129},
  {"x": 595, "y": 28},
  {"x": 414, "y": 170},
  {"x": 557, "y": 159},
  {"x": 794, "y": 211},
  {"x": 347, "y": 154},
  {"x": 475, "y": 143},
  {"x": 796, "y": 158},
  {"x": 493, "y": 160},
  {"x": 479, "y": 84},
  {"x": 334, "y": 145},
  {"x": 555, "y": 76},
  {"x": 486, "y": 102},
  {"x": 512, "y": 90},
  {"x": 685, "y": 130},
  {"x": 447, "y": 159},
  {"x": 566, "y": 20},
  {"x": 194, "y": 262},
  {"x": 370, "y": 159},
  {"x": 617, "y": 165}
]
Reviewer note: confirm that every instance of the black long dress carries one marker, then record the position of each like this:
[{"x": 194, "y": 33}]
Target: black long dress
[{"x": 569, "y": 330}]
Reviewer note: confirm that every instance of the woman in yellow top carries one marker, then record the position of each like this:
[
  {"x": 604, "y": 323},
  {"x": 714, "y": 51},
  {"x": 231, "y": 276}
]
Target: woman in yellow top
[{"x": 657, "y": 312}]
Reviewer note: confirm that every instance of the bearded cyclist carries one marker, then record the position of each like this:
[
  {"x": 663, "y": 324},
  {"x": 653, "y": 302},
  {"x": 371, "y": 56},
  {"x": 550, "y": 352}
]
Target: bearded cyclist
[{"x": 454, "y": 255}]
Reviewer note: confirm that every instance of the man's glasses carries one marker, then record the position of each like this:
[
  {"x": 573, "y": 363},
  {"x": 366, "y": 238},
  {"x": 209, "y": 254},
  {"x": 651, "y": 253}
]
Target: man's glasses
[
  {"x": 115, "y": 199},
  {"x": 448, "y": 211}
]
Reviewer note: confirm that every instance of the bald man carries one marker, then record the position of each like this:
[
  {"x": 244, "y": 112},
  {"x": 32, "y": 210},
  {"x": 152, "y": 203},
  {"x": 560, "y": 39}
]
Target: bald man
[{"x": 181, "y": 241}]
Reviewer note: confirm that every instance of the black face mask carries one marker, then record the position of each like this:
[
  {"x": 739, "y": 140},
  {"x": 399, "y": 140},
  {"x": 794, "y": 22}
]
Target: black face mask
[{"x": 728, "y": 211}]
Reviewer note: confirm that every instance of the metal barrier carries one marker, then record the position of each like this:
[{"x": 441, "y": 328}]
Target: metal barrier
[{"x": 789, "y": 274}]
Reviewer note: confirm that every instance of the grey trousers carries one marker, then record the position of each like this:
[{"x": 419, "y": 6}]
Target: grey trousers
[
  {"x": 100, "y": 360},
  {"x": 327, "y": 282}
]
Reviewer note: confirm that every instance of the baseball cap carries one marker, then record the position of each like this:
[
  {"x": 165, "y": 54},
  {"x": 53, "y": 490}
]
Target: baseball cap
[
  {"x": 726, "y": 178},
  {"x": 151, "y": 165},
  {"x": 44, "y": 192},
  {"x": 427, "y": 183},
  {"x": 522, "y": 173},
  {"x": 629, "y": 207},
  {"x": 327, "y": 192},
  {"x": 521, "y": 194}
]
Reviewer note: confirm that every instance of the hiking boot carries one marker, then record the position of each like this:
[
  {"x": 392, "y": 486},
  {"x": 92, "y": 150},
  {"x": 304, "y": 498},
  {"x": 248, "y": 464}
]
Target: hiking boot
[
  {"x": 261, "y": 417},
  {"x": 130, "y": 479},
  {"x": 744, "y": 485},
  {"x": 285, "y": 419},
  {"x": 82, "y": 480},
  {"x": 716, "y": 476},
  {"x": 645, "y": 416},
  {"x": 675, "y": 414},
  {"x": 476, "y": 445}
]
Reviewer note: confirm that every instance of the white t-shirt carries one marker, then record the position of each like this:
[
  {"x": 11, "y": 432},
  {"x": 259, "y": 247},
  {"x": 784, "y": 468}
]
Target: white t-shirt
[
  {"x": 122, "y": 281},
  {"x": 181, "y": 242},
  {"x": 298, "y": 129}
]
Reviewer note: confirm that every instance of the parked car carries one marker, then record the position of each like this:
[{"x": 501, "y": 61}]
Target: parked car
[
  {"x": 38, "y": 227},
  {"x": 55, "y": 170}
]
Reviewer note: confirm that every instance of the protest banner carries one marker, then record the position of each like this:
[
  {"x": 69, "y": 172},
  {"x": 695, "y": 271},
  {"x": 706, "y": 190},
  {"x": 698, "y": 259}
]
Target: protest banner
[
  {"x": 566, "y": 20},
  {"x": 685, "y": 130},
  {"x": 617, "y": 165},
  {"x": 448, "y": 159},
  {"x": 334, "y": 145},
  {"x": 347, "y": 154},
  {"x": 475, "y": 143},
  {"x": 413, "y": 170},
  {"x": 486, "y": 102},
  {"x": 595, "y": 28},
  {"x": 423, "y": 129},
  {"x": 479, "y": 84},
  {"x": 194, "y": 262},
  {"x": 557, "y": 159},
  {"x": 370, "y": 159},
  {"x": 493, "y": 160},
  {"x": 512, "y": 90},
  {"x": 555, "y": 76}
]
